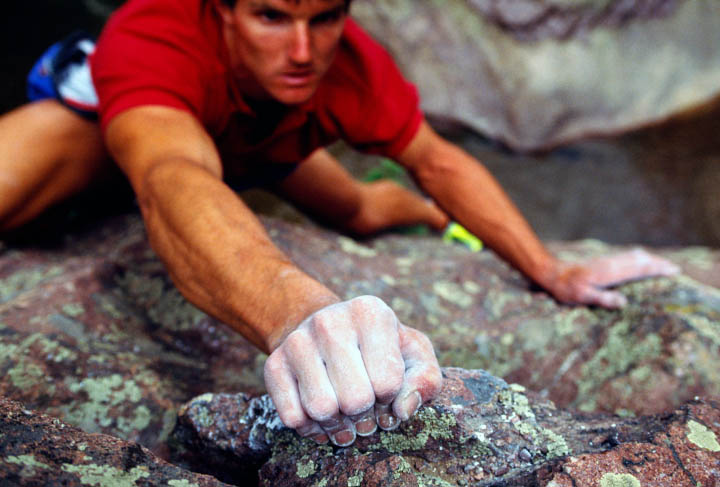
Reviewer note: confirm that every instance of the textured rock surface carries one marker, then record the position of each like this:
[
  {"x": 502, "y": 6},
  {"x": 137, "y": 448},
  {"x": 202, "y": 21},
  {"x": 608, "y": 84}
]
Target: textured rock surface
[
  {"x": 537, "y": 73},
  {"x": 92, "y": 331},
  {"x": 39, "y": 450},
  {"x": 478, "y": 431}
]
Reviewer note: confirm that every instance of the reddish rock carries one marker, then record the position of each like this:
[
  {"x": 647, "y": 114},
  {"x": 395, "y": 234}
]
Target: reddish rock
[
  {"x": 39, "y": 450},
  {"x": 685, "y": 453},
  {"x": 478, "y": 431},
  {"x": 92, "y": 330}
]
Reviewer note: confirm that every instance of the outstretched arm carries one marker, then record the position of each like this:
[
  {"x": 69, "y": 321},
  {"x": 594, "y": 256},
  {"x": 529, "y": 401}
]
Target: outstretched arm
[
  {"x": 467, "y": 191},
  {"x": 330, "y": 361}
]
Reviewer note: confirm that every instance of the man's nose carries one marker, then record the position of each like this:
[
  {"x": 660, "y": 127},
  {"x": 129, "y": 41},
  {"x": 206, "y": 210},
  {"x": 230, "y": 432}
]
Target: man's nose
[{"x": 300, "y": 49}]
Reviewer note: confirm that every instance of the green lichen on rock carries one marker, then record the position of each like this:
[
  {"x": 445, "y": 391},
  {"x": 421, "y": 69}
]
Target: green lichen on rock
[
  {"x": 181, "y": 483},
  {"x": 141, "y": 419},
  {"x": 163, "y": 302},
  {"x": 619, "y": 480},
  {"x": 453, "y": 293},
  {"x": 702, "y": 436},
  {"x": 105, "y": 476},
  {"x": 518, "y": 406},
  {"x": 622, "y": 350},
  {"x": 73, "y": 309},
  {"x": 28, "y": 464},
  {"x": 356, "y": 480},
  {"x": 432, "y": 425},
  {"x": 305, "y": 468},
  {"x": 402, "y": 468},
  {"x": 104, "y": 393},
  {"x": 23, "y": 280},
  {"x": 352, "y": 247},
  {"x": 20, "y": 358}
]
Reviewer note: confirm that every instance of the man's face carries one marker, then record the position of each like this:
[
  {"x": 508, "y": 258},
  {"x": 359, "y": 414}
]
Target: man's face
[{"x": 286, "y": 45}]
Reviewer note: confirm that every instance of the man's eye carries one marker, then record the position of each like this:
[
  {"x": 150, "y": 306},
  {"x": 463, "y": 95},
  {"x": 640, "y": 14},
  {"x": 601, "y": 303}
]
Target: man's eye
[
  {"x": 270, "y": 15},
  {"x": 328, "y": 17}
]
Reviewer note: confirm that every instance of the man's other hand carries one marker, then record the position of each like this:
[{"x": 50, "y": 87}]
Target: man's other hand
[
  {"x": 349, "y": 368},
  {"x": 586, "y": 283}
]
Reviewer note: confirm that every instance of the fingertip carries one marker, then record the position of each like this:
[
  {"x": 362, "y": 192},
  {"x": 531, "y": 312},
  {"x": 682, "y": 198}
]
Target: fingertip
[
  {"x": 384, "y": 417},
  {"x": 407, "y": 405},
  {"x": 613, "y": 300},
  {"x": 672, "y": 269}
]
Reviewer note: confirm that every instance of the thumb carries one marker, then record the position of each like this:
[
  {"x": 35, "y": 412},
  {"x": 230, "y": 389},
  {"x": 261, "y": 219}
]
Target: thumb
[
  {"x": 423, "y": 379},
  {"x": 603, "y": 298}
]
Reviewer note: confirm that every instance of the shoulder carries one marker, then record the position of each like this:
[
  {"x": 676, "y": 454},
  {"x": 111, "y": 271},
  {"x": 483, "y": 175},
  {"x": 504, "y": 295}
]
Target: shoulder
[
  {"x": 162, "y": 52},
  {"x": 365, "y": 95},
  {"x": 361, "y": 62}
]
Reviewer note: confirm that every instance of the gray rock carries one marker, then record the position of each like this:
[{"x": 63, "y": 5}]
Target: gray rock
[
  {"x": 39, "y": 450},
  {"x": 538, "y": 73},
  {"x": 478, "y": 431}
]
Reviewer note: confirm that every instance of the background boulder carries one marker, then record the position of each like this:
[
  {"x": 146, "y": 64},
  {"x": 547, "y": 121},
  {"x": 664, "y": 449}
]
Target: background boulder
[{"x": 538, "y": 73}]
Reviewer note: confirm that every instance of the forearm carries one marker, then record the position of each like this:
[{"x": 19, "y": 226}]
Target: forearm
[
  {"x": 470, "y": 194},
  {"x": 220, "y": 257}
]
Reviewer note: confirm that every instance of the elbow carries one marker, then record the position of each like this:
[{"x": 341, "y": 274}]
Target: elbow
[
  {"x": 169, "y": 179},
  {"x": 440, "y": 165}
]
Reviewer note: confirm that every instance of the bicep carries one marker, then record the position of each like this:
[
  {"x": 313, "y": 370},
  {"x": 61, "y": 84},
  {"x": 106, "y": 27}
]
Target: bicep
[
  {"x": 427, "y": 152},
  {"x": 143, "y": 137}
]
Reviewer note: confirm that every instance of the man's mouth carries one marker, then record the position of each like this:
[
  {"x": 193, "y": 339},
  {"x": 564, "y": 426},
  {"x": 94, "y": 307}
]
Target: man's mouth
[{"x": 299, "y": 77}]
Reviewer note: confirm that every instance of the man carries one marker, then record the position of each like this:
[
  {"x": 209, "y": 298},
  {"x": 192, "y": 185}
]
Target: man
[{"x": 196, "y": 94}]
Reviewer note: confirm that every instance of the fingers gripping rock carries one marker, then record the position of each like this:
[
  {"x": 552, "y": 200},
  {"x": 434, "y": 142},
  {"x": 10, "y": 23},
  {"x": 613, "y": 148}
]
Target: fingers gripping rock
[{"x": 343, "y": 360}]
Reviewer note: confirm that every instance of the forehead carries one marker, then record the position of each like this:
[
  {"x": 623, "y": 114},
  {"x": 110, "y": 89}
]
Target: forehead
[{"x": 292, "y": 3}]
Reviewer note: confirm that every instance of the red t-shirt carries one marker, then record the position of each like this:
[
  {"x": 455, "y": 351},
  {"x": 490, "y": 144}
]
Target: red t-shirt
[{"x": 171, "y": 53}]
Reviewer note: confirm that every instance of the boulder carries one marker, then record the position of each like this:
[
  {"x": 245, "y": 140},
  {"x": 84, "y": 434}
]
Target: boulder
[
  {"x": 36, "y": 449},
  {"x": 538, "y": 73},
  {"x": 93, "y": 332},
  {"x": 478, "y": 431}
]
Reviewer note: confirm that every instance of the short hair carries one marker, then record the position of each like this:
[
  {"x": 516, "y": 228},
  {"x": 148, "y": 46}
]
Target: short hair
[{"x": 231, "y": 3}]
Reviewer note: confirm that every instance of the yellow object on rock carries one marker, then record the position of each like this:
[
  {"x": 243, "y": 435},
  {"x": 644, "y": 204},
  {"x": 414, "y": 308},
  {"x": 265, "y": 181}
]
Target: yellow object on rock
[{"x": 457, "y": 233}]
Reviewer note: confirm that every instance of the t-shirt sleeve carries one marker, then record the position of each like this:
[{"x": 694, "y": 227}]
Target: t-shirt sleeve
[
  {"x": 378, "y": 110},
  {"x": 132, "y": 66}
]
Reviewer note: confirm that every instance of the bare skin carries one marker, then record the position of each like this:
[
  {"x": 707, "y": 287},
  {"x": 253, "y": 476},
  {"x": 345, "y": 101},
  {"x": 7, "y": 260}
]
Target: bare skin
[
  {"x": 48, "y": 154},
  {"x": 336, "y": 368}
]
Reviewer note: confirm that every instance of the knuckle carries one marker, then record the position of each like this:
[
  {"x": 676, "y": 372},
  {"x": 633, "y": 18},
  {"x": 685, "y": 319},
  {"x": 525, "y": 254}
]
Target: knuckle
[
  {"x": 321, "y": 409},
  {"x": 293, "y": 419},
  {"x": 357, "y": 404},
  {"x": 364, "y": 305},
  {"x": 274, "y": 365},
  {"x": 297, "y": 342},
  {"x": 324, "y": 324},
  {"x": 386, "y": 390}
]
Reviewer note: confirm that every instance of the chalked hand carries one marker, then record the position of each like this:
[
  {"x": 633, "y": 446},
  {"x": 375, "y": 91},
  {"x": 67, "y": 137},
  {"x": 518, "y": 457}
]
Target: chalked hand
[
  {"x": 349, "y": 368},
  {"x": 587, "y": 283}
]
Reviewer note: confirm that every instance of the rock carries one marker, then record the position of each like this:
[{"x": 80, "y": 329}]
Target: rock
[
  {"x": 538, "y": 73},
  {"x": 478, "y": 431},
  {"x": 36, "y": 449},
  {"x": 93, "y": 332}
]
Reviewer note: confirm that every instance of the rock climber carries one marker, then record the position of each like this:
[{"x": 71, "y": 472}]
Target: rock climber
[{"x": 195, "y": 99}]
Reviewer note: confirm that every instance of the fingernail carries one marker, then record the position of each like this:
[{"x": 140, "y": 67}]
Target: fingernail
[
  {"x": 388, "y": 421},
  {"x": 410, "y": 404},
  {"x": 344, "y": 437},
  {"x": 366, "y": 427},
  {"x": 320, "y": 439}
]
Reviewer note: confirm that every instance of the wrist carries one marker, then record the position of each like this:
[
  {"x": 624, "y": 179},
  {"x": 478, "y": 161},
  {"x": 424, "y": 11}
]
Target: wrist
[
  {"x": 546, "y": 271},
  {"x": 299, "y": 311}
]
